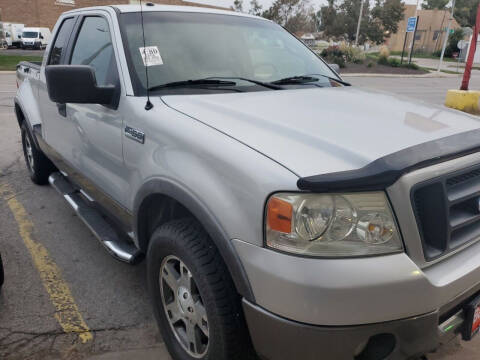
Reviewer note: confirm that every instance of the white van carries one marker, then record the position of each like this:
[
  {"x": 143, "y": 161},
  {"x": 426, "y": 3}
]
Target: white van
[
  {"x": 12, "y": 34},
  {"x": 36, "y": 38}
]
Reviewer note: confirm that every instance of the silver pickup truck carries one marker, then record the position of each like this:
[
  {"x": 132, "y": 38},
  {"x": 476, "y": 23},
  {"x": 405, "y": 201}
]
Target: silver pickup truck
[{"x": 278, "y": 208}]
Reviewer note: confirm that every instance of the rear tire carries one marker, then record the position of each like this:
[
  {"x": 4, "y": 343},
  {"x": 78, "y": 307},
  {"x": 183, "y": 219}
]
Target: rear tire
[
  {"x": 38, "y": 165},
  {"x": 203, "y": 319}
]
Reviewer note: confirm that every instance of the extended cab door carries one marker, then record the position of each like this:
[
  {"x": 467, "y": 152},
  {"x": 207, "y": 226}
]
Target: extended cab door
[
  {"x": 55, "y": 130},
  {"x": 96, "y": 144}
]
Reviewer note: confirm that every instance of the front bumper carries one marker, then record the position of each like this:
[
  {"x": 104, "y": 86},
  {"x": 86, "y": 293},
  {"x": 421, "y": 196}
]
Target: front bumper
[
  {"x": 342, "y": 292},
  {"x": 276, "y": 338}
]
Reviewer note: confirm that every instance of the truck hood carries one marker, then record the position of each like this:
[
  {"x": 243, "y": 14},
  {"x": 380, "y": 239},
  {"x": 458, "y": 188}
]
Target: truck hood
[{"x": 322, "y": 130}]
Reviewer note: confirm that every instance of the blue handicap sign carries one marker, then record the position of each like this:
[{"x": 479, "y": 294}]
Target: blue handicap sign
[{"x": 412, "y": 21}]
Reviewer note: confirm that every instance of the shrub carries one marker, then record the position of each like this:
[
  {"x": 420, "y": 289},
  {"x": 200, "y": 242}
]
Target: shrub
[
  {"x": 370, "y": 64},
  {"x": 384, "y": 51},
  {"x": 334, "y": 55},
  {"x": 411, "y": 66},
  {"x": 353, "y": 54},
  {"x": 383, "y": 61},
  {"x": 393, "y": 62}
]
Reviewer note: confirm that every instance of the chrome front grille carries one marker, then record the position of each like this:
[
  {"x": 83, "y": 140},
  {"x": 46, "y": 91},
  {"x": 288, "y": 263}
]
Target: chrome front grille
[{"x": 447, "y": 210}]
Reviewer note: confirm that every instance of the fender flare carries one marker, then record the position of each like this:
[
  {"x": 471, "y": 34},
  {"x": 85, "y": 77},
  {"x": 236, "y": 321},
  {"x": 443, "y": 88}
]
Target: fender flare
[
  {"x": 167, "y": 187},
  {"x": 19, "y": 107}
]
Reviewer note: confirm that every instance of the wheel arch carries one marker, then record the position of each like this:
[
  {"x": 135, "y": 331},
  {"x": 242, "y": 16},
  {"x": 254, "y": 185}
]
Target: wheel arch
[{"x": 169, "y": 200}]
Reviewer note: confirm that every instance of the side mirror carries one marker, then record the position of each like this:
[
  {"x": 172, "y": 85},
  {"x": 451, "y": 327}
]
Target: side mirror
[
  {"x": 77, "y": 84},
  {"x": 335, "y": 67},
  {"x": 41, "y": 36}
]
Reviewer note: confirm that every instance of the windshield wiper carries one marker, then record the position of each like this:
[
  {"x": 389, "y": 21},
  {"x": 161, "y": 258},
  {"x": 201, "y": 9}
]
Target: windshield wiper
[
  {"x": 295, "y": 80},
  {"x": 306, "y": 79},
  {"x": 198, "y": 82},
  {"x": 256, "y": 82},
  {"x": 344, "y": 83}
]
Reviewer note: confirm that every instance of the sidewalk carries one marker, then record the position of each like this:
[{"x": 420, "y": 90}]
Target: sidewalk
[{"x": 433, "y": 64}]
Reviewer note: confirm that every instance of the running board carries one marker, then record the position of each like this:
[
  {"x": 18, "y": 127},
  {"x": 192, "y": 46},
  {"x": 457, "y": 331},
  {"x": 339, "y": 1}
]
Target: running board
[{"x": 94, "y": 220}]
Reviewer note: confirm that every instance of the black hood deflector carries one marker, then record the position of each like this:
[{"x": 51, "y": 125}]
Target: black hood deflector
[{"x": 384, "y": 171}]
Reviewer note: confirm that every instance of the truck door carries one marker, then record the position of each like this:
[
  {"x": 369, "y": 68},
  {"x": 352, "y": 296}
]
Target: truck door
[
  {"x": 55, "y": 129},
  {"x": 96, "y": 143}
]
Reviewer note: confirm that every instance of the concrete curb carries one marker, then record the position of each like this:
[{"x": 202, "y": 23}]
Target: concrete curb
[
  {"x": 7, "y": 72},
  {"x": 429, "y": 75},
  {"x": 466, "y": 101}
]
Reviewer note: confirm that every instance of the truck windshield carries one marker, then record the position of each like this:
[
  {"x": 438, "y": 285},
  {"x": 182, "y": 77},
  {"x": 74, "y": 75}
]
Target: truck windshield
[
  {"x": 30, "y": 35},
  {"x": 184, "y": 46}
]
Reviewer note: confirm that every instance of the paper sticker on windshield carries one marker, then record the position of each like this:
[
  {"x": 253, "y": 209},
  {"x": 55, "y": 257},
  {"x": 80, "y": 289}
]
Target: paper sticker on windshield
[{"x": 151, "y": 56}]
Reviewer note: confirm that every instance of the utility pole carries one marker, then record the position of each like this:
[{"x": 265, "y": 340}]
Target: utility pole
[
  {"x": 446, "y": 37},
  {"x": 359, "y": 21}
]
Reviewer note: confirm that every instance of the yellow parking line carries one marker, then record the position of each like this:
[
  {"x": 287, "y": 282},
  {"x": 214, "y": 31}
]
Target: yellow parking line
[{"x": 67, "y": 313}]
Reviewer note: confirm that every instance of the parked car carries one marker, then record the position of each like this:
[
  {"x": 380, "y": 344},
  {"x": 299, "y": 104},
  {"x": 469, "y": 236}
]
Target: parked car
[
  {"x": 35, "y": 38},
  {"x": 275, "y": 204}
]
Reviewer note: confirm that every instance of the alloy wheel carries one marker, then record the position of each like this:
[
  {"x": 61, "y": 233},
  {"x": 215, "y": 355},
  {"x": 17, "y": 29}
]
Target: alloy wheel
[{"x": 184, "y": 307}]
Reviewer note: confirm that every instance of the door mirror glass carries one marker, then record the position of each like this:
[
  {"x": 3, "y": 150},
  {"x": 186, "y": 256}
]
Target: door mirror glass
[{"x": 77, "y": 84}]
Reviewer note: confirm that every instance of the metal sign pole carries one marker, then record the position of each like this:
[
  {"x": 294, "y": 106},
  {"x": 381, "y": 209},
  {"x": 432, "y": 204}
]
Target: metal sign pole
[
  {"x": 413, "y": 42},
  {"x": 403, "y": 49}
]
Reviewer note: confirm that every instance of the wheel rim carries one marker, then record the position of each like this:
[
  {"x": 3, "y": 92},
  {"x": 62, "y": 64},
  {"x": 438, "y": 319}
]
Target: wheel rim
[
  {"x": 184, "y": 307},
  {"x": 29, "y": 153}
]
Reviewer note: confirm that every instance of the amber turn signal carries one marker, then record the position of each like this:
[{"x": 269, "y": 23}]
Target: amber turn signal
[{"x": 279, "y": 215}]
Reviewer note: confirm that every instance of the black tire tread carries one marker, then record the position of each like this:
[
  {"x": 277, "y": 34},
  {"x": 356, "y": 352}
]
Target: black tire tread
[
  {"x": 43, "y": 167},
  {"x": 210, "y": 263}
]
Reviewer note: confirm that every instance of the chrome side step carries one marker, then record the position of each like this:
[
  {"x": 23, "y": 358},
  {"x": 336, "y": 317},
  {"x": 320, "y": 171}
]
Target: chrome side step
[{"x": 105, "y": 233}]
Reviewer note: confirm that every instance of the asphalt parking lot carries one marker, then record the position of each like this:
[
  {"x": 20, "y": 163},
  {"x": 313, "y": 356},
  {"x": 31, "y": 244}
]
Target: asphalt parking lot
[{"x": 107, "y": 299}]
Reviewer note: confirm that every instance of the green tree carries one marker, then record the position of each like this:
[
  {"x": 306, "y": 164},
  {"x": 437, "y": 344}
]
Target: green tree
[
  {"x": 466, "y": 12},
  {"x": 453, "y": 40},
  {"x": 237, "y": 5},
  {"x": 294, "y": 15},
  {"x": 388, "y": 13},
  {"x": 377, "y": 23},
  {"x": 435, "y": 4},
  {"x": 255, "y": 8}
]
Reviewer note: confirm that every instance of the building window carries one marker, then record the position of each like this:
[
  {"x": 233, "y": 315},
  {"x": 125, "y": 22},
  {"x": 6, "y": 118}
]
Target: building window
[
  {"x": 65, "y": 2},
  {"x": 436, "y": 34}
]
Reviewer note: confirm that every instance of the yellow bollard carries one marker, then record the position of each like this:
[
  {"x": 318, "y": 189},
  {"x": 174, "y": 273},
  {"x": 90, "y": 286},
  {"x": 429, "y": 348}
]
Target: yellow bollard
[{"x": 462, "y": 100}]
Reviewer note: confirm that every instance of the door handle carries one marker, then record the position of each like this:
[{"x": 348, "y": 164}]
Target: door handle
[{"x": 62, "y": 109}]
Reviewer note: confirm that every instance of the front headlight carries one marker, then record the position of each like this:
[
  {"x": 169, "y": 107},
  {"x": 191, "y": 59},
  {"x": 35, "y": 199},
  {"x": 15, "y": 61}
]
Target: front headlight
[{"x": 332, "y": 225}]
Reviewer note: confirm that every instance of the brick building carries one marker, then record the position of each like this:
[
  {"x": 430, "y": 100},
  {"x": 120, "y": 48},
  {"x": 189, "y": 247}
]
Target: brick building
[
  {"x": 430, "y": 33},
  {"x": 44, "y": 13}
]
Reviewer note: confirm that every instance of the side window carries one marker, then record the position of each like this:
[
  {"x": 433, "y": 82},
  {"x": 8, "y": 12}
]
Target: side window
[
  {"x": 94, "y": 48},
  {"x": 61, "y": 41}
]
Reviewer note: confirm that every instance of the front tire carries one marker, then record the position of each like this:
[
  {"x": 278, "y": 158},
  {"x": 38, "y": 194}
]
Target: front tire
[
  {"x": 195, "y": 302},
  {"x": 38, "y": 165}
]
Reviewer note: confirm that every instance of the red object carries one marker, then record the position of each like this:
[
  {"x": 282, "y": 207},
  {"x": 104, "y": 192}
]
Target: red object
[
  {"x": 471, "y": 53},
  {"x": 476, "y": 320}
]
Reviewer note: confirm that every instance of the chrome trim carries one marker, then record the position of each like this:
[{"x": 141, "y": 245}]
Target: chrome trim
[
  {"x": 399, "y": 194},
  {"x": 72, "y": 203},
  {"x": 88, "y": 197},
  {"x": 117, "y": 251}
]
